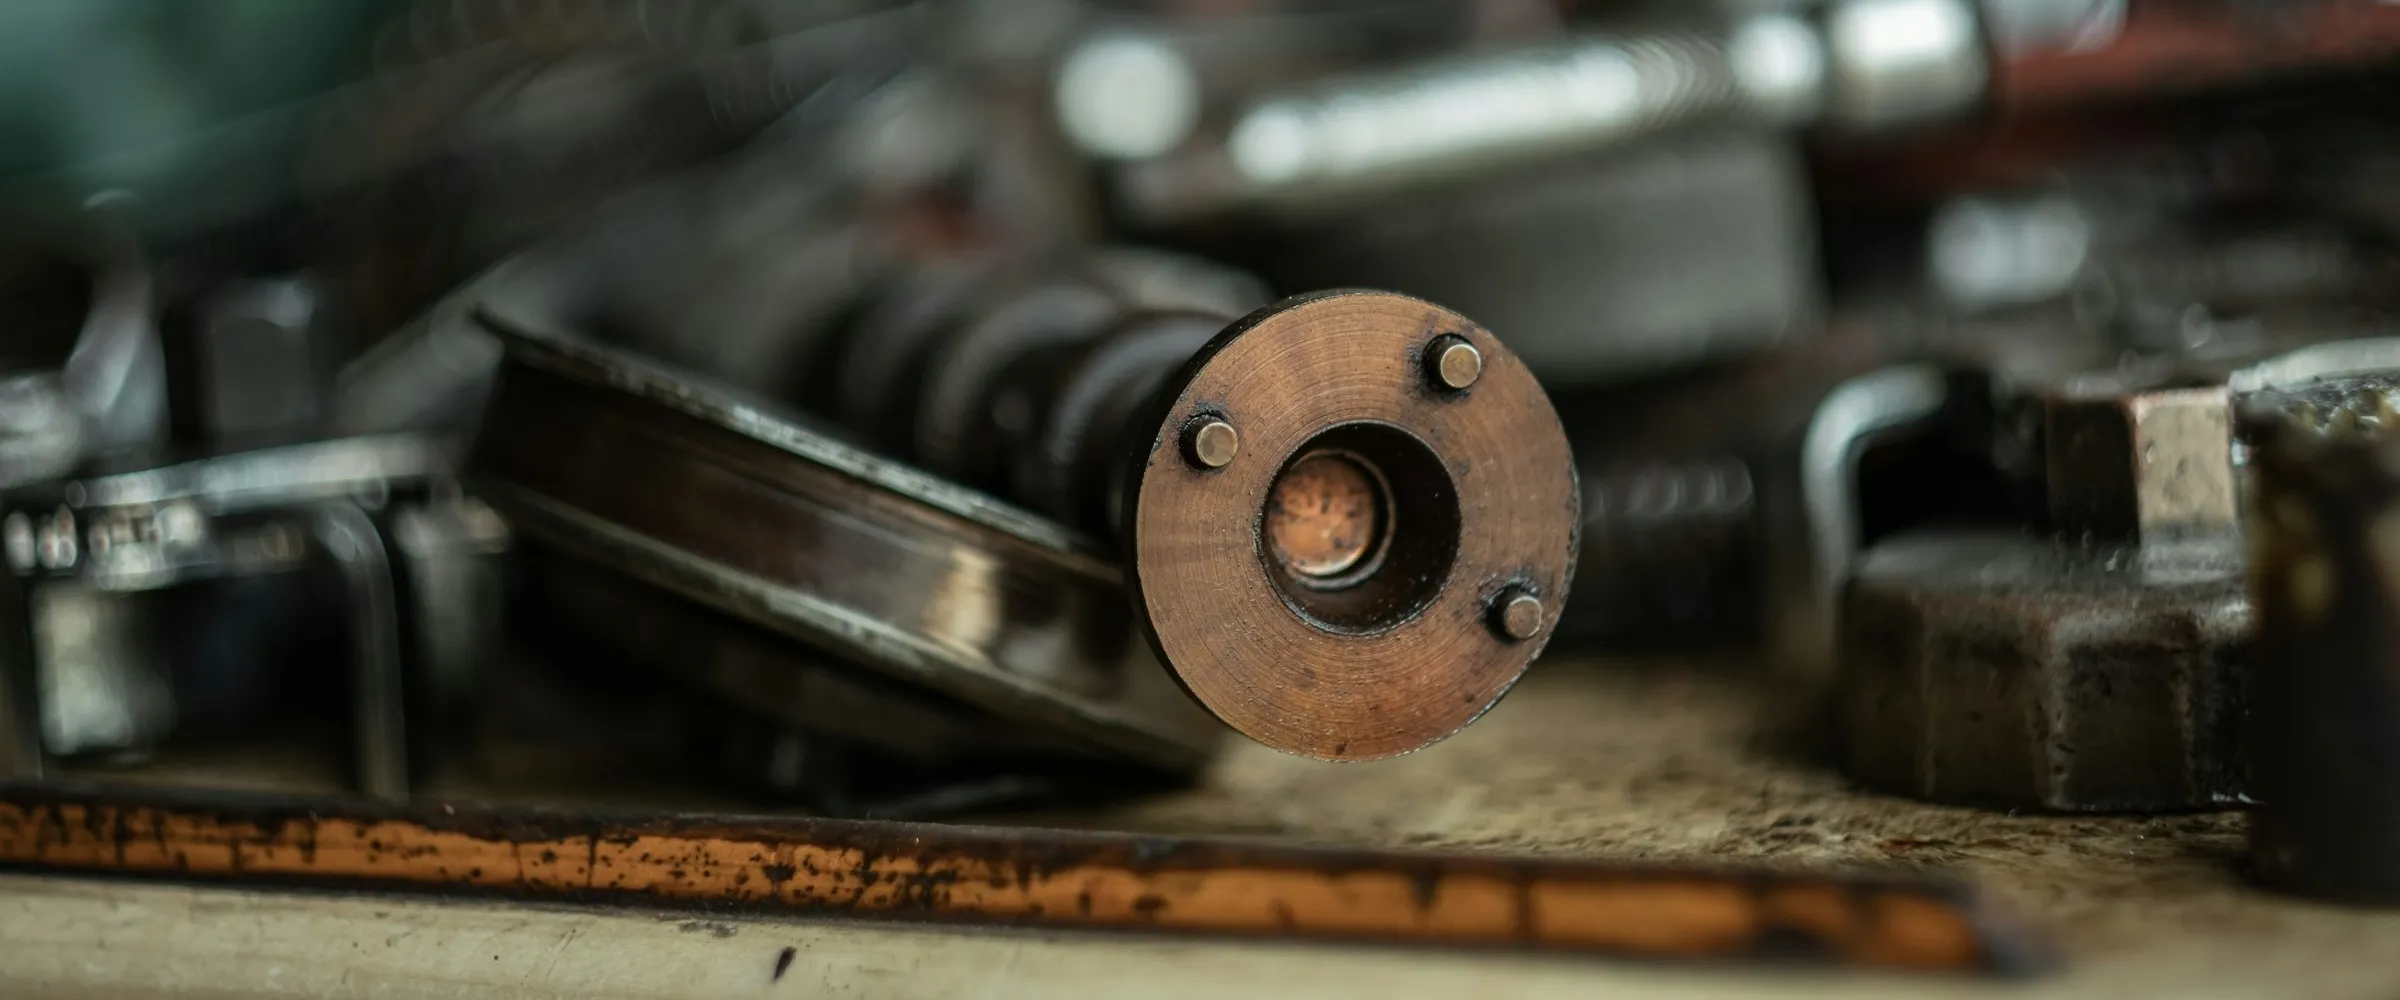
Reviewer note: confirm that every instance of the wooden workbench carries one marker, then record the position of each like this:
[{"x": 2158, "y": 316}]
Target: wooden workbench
[{"x": 1585, "y": 759}]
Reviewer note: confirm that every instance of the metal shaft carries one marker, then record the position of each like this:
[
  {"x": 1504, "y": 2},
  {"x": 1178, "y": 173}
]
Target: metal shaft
[{"x": 1027, "y": 383}]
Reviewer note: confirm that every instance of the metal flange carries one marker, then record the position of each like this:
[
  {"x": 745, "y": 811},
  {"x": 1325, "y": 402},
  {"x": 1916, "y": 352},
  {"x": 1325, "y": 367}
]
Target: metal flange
[{"x": 1347, "y": 537}]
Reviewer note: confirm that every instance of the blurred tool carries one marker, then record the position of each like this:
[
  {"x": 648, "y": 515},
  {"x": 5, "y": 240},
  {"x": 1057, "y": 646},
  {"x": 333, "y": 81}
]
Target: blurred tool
[
  {"x": 2326, "y": 694},
  {"x": 89, "y": 670},
  {"x": 2106, "y": 667},
  {"x": 1865, "y": 64}
]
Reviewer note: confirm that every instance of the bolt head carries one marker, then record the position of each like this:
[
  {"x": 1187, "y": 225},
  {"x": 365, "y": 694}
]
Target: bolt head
[
  {"x": 1212, "y": 444},
  {"x": 2140, "y": 465},
  {"x": 1518, "y": 615},
  {"x": 1456, "y": 363}
]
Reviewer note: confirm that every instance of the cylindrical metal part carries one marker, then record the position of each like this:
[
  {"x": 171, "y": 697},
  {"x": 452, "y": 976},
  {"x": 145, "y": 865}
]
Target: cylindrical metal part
[
  {"x": 1864, "y": 64},
  {"x": 1332, "y": 549},
  {"x": 1318, "y": 497},
  {"x": 2325, "y": 578},
  {"x": 1026, "y": 382},
  {"x": 1482, "y": 109}
]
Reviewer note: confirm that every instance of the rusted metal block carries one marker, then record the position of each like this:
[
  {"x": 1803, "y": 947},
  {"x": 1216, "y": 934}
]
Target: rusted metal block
[{"x": 2009, "y": 670}]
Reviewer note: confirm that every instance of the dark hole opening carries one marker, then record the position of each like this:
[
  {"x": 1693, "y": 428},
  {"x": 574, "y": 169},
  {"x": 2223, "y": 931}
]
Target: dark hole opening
[{"x": 1360, "y": 528}]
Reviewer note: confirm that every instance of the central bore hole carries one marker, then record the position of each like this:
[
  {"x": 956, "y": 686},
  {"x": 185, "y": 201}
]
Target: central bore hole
[
  {"x": 1328, "y": 518},
  {"x": 1360, "y": 528}
]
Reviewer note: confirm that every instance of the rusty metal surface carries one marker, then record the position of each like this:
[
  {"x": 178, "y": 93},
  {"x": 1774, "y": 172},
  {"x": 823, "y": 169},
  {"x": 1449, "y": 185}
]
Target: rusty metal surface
[
  {"x": 2325, "y": 740},
  {"x": 2086, "y": 657},
  {"x": 1023, "y": 877}
]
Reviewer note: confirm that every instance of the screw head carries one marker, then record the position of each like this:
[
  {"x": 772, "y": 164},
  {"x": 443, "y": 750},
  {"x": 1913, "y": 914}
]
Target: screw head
[
  {"x": 1454, "y": 363},
  {"x": 1517, "y": 615},
  {"x": 1212, "y": 443}
]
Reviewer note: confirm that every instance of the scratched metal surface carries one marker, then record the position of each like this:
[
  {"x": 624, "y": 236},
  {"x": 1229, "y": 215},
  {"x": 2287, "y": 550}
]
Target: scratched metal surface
[{"x": 1583, "y": 759}]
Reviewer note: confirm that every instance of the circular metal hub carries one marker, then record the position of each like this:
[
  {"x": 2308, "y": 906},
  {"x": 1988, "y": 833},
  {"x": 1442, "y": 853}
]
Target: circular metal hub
[{"x": 1327, "y": 590}]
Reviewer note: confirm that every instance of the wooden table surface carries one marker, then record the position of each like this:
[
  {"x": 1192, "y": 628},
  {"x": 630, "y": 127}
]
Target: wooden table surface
[{"x": 1585, "y": 759}]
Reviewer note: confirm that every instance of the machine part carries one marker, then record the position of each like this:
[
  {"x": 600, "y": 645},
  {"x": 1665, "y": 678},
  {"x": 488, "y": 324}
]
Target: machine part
[
  {"x": 102, "y": 686},
  {"x": 617, "y": 462},
  {"x": 1728, "y": 263},
  {"x": 116, "y": 378},
  {"x": 1126, "y": 95},
  {"x": 1902, "y": 62},
  {"x": 1984, "y": 253},
  {"x": 40, "y": 435},
  {"x": 1867, "y": 64},
  {"x": 1377, "y": 591},
  {"x": 105, "y": 395},
  {"x": 378, "y": 696},
  {"x": 1035, "y": 878},
  {"x": 2106, "y": 666},
  {"x": 2152, "y": 467},
  {"x": 102, "y": 546},
  {"x": 1855, "y": 65},
  {"x": 1130, "y": 88},
  {"x": 2097, "y": 671},
  {"x": 266, "y": 365},
  {"x": 450, "y": 547},
  {"x": 1021, "y": 379},
  {"x": 1426, "y": 119},
  {"x": 1444, "y": 497},
  {"x": 1813, "y": 532},
  {"x": 754, "y": 713},
  {"x": 1670, "y": 548},
  {"x": 2008, "y": 670},
  {"x": 620, "y": 618},
  {"x": 2325, "y": 691},
  {"x": 1067, "y": 366}
]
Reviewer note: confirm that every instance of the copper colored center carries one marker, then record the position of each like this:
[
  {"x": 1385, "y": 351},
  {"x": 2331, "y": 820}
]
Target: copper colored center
[{"x": 1327, "y": 519}]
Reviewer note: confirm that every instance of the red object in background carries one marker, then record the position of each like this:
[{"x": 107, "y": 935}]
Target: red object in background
[{"x": 2171, "y": 48}]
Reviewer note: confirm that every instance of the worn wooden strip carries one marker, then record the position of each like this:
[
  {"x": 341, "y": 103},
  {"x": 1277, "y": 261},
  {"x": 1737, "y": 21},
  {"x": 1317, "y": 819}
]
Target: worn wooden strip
[{"x": 1022, "y": 877}]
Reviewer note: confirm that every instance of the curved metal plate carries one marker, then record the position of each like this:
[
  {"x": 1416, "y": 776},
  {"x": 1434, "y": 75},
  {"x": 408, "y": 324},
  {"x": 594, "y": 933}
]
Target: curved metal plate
[{"x": 728, "y": 501}]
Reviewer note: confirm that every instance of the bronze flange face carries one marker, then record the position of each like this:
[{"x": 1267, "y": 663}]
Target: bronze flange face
[{"x": 1330, "y": 590}]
